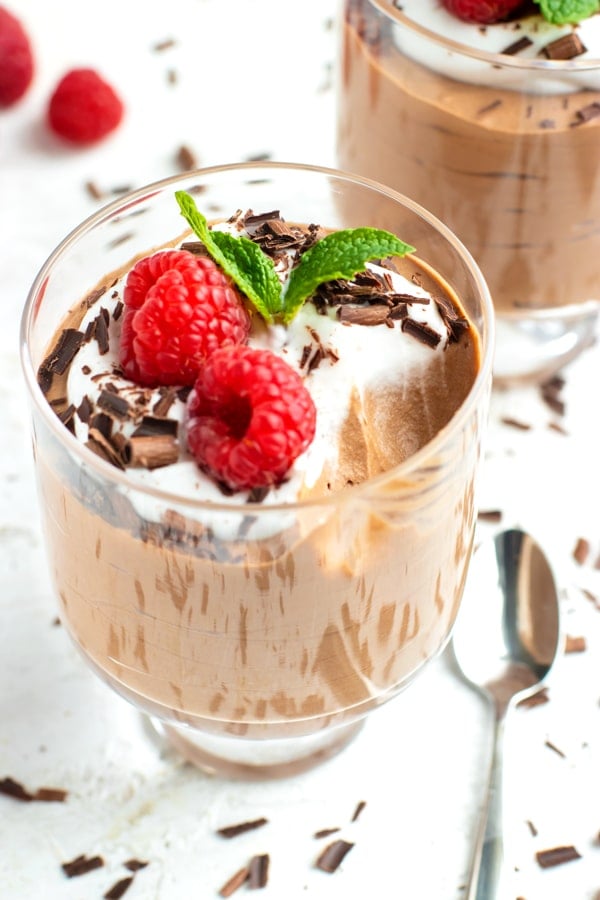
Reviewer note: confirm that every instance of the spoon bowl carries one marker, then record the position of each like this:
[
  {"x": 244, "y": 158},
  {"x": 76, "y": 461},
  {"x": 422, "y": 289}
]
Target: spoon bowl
[{"x": 505, "y": 641}]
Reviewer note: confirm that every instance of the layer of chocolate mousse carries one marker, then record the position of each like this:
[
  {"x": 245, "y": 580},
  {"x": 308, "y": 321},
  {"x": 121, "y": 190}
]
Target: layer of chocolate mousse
[
  {"x": 319, "y": 615},
  {"x": 514, "y": 175}
]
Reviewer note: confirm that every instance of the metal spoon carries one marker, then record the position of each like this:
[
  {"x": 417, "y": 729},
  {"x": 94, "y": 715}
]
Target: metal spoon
[{"x": 505, "y": 642}]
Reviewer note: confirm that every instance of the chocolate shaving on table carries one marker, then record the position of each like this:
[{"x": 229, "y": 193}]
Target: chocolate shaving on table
[
  {"x": 93, "y": 190},
  {"x": 550, "y": 392},
  {"x": 521, "y": 44},
  {"x": 567, "y": 47},
  {"x": 186, "y": 159},
  {"x": 515, "y": 423},
  {"x": 258, "y": 871},
  {"x": 81, "y": 865},
  {"x": 119, "y": 888},
  {"x": 235, "y": 882},
  {"x": 60, "y": 358},
  {"x": 538, "y": 699},
  {"x": 575, "y": 644},
  {"x": 421, "y": 331},
  {"x": 326, "y": 832},
  {"x": 50, "y": 795},
  {"x": 11, "y": 788},
  {"x": 490, "y": 515},
  {"x": 359, "y": 808},
  {"x": 531, "y": 827},
  {"x": 134, "y": 865},
  {"x": 581, "y": 551},
  {"x": 556, "y": 856},
  {"x": 231, "y": 831},
  {"x": 333, "y": 855},
  {"x": 554, "y": 748}
]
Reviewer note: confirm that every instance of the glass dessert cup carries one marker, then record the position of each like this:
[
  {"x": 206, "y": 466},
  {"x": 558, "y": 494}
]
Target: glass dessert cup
[
  {"x": 257, "y": 637},
  {"x": 503, "y": 150}
]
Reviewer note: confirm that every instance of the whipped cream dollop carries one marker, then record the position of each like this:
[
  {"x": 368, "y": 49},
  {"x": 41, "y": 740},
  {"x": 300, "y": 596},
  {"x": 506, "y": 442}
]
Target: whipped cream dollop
[
  {"x": 550, "y": 76},
  {"x": 354, "y": 359}
]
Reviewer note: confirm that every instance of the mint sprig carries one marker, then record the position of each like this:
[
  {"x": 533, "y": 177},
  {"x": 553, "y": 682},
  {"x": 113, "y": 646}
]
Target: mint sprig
[
  {"x": 240, "y": 258},
  {"x": 563, "y": 12},
  {"x": 341, "y": 254}
]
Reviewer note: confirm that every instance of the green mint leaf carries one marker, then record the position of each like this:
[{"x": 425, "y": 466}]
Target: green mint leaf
[
  {"x": 341, "y": 254},
  {"x": 562, "y": 12},
  {"x": 240, "y": 258}
]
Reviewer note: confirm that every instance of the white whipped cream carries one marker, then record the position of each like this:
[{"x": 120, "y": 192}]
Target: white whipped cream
[
  {"x": 435, "y": 52},
  {"x": 364, "y": 358}
]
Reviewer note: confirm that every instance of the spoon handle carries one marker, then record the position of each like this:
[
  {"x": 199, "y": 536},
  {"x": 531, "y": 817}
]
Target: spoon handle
[{"x": 488, "y": 858}]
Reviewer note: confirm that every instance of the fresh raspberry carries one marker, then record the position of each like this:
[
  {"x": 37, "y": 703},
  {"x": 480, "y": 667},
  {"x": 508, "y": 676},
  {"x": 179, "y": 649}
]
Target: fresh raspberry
[
  {"x": 84, "y": 108},
  {"x": 16, "y": 59},
  {"x": 484, "y": 12},
  {"x": 179, "y": 308},
  {"x": 249, "y": 417}
]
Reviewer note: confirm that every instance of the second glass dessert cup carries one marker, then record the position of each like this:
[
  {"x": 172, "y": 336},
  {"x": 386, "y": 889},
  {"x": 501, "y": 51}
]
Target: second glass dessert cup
[
  {"x": 257, "y": 636},
  {"x": 503, "y": 149}
]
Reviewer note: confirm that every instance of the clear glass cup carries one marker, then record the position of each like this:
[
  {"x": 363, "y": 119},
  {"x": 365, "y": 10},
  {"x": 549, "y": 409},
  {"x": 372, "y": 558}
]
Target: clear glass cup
[
  {"x": 257, "y": 637},
  {"x": 502, "y": 150}
]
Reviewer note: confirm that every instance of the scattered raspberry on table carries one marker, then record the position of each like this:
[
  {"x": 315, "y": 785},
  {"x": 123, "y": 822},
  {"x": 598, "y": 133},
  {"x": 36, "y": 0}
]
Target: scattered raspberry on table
[
  {"x": 84, "y": 108},
  {"x": 16, "y": 59}
]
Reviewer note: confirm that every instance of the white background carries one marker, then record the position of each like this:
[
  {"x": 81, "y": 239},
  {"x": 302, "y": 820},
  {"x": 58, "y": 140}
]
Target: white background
[{"x": 255, "y": 77}]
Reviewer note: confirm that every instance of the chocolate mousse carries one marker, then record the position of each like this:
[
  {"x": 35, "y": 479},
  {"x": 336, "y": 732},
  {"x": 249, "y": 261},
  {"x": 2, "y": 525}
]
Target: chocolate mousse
[
  {"x": 511, "y": 167},
  {"x": 283, "y": 610}
]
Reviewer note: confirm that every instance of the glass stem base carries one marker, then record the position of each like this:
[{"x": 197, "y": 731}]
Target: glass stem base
[
  {"x": 532, "y": 346},
  {"x": 255, "y": 759}
]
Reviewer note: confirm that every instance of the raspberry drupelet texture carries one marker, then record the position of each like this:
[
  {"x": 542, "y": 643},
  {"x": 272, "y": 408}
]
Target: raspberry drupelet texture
[
  {"x": 84, "y": 108},
  {"x": 179, "y": 309},
  {"x": 16, "y": 59},
  {"x": 484, "y": 12},
  {"x": 249, "y": 417}
]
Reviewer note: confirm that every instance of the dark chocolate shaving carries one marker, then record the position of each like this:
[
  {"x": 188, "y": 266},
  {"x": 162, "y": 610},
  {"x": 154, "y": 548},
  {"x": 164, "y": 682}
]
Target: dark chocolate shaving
[
  {"x": 151, "y": 451},
  {"x": 522, "y": 44},
  {"x": 186, "y": 159},
  {"x": 235, "y": 882},
  {"x": 456, "y": 324},
  {"x": 421, "y": 331},
  {"x": 333, "y": 855},
  {"x": 582, "y": 551},
  {"x": 50, "y": 795},
  {"x": 325, "y": 832},
  {"x": 587, "y": 113},
  {"x": 556, "y": 856},
  {"x": 490, "y": 515},
  {"x": 59, "y": 359},
  {"x": 231, "y": 831},
  {"x": 113, "y": 404},
  {"x": 359, "y": 808},
  {"x": 11, "y": 788},
  {"x": 575, "y": 644},
  {"x": 258, "y": 871},
  {"x": 84, "y": 410},
  {"x": 566, "y": 47},
  {"x": 154, "y": 426},
  {"x": 81, "y": 865},
  {"x": 119, "y": 888},
  {"x": 165, "y": 401},
  {"x": 363, "y": 315},
  {"x": 134, "y": 865}
]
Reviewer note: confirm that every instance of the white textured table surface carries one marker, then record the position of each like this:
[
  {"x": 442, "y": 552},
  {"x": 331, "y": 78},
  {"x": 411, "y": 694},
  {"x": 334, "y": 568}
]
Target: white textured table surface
[{"x": 255, "y": 77}]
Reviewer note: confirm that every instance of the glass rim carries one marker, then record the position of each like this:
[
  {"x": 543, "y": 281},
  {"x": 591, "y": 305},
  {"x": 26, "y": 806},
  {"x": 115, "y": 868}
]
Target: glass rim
[
  {"x": 504, "y": 60},
  {"x": 110, "y": 472}
]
